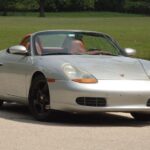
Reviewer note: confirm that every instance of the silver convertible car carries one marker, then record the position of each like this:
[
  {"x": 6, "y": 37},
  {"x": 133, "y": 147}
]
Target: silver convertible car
[{"x": 74, "y": 71}]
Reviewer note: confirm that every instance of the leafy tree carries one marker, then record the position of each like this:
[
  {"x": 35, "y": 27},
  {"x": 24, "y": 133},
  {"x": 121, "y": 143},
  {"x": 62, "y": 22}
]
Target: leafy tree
[
  {"x": 50, "y": 5},
  {"x": 6, "y": 5},
  {"x": 137, "y": 6},
  {"x": 133, "y": 6},
  {"x": 42, "y": 8},
  {"x": 109, "y": 5},
  {"x": 27, "y": 5},
  {"x": 89, "y": 4}
]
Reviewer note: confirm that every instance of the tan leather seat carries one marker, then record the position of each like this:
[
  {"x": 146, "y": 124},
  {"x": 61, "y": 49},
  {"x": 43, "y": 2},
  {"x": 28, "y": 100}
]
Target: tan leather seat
[
  {"x": 77, "y": 46},
  {"x": 38, "y": 46},
  {"x": 26, "y": 41}
]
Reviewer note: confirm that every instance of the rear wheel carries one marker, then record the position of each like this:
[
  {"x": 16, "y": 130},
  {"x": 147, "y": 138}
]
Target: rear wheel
[
  {"x": 39, "y": 99},
  {"x": 141, "y": 116}
]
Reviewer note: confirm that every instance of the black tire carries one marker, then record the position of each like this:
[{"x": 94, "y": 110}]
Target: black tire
[
  {"x": 1, "y": 103},
  {"x": 39, "y": 98},
  {"x": 141, "y": 116}
]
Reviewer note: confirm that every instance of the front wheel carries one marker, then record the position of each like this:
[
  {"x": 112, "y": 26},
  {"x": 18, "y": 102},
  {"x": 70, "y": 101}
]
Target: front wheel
[
  {"x": 39, "y": 99},
  {"x": 141, "y": 116},
  {"x": 1, "y": 103}
]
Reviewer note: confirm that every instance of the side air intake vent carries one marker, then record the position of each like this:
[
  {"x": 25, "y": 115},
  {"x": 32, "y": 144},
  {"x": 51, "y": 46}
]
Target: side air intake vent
[{"x": 91, "y": 101}]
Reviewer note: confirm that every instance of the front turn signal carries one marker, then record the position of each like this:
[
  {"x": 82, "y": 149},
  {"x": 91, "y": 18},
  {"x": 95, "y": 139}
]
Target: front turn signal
[{"x": 85, "y": 80}]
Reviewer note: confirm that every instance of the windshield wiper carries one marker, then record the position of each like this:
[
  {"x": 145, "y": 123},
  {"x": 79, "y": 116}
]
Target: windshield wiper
[
  {"x": 106, "y": 53},
  {"x": 57, "y": 54},
  {"x": 96, "y": 52}
]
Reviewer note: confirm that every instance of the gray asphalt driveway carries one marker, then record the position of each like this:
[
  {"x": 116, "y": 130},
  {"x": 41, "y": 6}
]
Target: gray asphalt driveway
[{"x": 110, "y": 131}]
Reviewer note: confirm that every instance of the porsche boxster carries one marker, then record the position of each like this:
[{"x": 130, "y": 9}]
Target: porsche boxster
[{"x": 76, "y": 72}]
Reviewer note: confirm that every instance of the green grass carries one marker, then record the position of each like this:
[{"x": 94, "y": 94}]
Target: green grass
[
  {"x": 129, "y": 29},
  {"x": 74, "y": 14}
]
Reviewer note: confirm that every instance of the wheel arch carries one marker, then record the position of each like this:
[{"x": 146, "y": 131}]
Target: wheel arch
[{"x": 35, "y": 74}]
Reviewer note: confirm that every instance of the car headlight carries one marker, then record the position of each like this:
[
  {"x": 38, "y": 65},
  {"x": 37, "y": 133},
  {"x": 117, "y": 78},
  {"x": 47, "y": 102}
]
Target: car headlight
[{"x": 77, "y": 75}]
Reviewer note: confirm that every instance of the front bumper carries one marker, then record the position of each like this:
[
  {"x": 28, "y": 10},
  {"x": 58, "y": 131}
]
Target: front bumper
[{"x": 121, "y": 95}]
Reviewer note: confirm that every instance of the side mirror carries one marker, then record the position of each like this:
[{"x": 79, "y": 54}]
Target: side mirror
[
  {"x": 18, "y": 49},
  {"x": 130, "y": 52}
]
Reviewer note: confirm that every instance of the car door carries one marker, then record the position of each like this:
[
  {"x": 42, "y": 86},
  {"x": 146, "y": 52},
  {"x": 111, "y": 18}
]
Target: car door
[
  {"x": 16, "y": 68},
  {"x": 2, "y": 84}
]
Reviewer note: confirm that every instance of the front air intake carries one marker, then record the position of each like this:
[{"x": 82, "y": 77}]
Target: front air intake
[{"x": 91, "y": 101}]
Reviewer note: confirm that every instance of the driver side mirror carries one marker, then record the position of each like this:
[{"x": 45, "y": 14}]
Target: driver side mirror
[
  {"x": 130, "y": 52},
  {"x": 18, "y": 49}
]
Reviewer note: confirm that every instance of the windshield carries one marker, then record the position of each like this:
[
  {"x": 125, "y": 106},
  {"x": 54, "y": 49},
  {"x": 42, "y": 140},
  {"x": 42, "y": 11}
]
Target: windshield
[{"x": 74, "y": 43}]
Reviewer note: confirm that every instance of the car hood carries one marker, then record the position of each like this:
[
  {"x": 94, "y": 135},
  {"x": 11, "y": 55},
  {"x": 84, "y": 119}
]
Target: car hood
[{"x": 109, "y": 67}]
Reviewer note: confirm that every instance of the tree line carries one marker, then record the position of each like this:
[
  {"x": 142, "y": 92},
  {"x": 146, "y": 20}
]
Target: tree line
[{"x": 131, "y": 6}]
